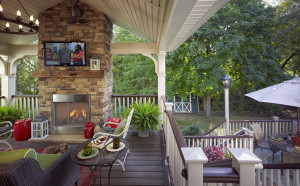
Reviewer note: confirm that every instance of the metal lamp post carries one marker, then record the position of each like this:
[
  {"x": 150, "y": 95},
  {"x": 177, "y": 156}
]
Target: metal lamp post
[{"x": 226, "y": 82}]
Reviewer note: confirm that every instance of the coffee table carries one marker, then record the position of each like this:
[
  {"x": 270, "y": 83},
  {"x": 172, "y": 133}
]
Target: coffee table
[{"x": 103, "y": 159}]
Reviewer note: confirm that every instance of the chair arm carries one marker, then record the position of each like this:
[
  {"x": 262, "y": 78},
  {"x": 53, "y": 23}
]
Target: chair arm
[
  {"x": 8, "y": 122},
  {"x": 26, "y": 171},
  {"x": 104, "y": 125},
  {"x": 106, "y": 134},
  {"x": 63, "y": 171}
]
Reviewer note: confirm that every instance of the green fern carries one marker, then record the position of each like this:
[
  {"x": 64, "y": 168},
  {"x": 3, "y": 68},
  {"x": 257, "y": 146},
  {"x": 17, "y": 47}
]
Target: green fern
[
  {"x": 11, "y": 113},
  {"x": 145, "y": 116}
]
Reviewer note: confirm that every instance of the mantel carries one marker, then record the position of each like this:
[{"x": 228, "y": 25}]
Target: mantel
[{"x": 68, "y": 73}]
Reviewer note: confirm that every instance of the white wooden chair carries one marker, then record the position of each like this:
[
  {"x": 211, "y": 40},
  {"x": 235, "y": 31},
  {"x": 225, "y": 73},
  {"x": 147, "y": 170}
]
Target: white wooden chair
[
  {"x": 5, "y": 134},
  {"x": 123, "y": 135}
]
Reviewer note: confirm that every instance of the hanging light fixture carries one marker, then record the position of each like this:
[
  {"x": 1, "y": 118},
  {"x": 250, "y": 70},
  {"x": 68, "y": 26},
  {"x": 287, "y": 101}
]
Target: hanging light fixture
[{"x": 33, "y": 26}]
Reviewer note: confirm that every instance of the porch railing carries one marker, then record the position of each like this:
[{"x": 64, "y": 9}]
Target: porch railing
[
  {"x": 278, "y": 174},
  {"x": 269, "y": 127},
  {"x": 121, "y": 102},
  {"x": 28, "y": 103},
  {"x": 242, "y": 140},
  {"x": 174, "y": 142}
]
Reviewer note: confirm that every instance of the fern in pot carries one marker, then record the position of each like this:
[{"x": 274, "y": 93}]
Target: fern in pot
[{"x": 145, "y": 118}]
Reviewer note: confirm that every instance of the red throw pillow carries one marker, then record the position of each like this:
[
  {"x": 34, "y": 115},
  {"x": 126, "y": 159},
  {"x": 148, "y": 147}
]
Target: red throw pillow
[{"x": 113, "y": 120}]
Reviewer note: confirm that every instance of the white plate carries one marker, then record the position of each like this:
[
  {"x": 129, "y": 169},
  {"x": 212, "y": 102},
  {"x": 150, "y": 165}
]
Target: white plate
[{"x": 110, "y": 148}]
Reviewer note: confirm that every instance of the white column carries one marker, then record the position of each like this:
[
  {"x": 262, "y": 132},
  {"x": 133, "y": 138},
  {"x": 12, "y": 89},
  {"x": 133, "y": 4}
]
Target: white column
[
  {"x": 161, "y": 74},
  {"x": 244, "y": 161},
  {"x": 226, "y": 92},
  {"x": 194, "y": 160},
  {"x": 8, "y": 88}
]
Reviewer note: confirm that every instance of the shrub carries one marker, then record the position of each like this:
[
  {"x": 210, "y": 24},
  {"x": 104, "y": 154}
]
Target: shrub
[
  {"x": 214, "y": 153},
  {"x": 11, "y": 113},
  {"x": 145, "y": 116},
  {"x": 192, "y": 130}
]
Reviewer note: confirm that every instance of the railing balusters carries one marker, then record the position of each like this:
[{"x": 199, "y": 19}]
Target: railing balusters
[
  {"x": 296, "y": 180},
  {"x": 286, "y": 177}
]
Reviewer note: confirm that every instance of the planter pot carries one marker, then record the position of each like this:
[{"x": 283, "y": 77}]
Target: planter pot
[{"x": 143, "y": 133}]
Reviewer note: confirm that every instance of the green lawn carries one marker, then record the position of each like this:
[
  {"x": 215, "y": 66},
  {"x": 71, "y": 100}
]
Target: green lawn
[{"x": 199, "y": 119}]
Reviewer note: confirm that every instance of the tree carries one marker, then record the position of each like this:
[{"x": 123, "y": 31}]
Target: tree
[
  {"x": 288, "y": 42},
  {"x": 26, "y": 84},
  {"x": 133, "y": 74},
  {"x": 238, "y": 40}
]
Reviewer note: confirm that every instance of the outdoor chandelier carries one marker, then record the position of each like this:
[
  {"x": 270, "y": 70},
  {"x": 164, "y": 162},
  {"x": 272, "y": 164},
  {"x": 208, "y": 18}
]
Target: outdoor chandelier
[{"x": 32, "y": 25}]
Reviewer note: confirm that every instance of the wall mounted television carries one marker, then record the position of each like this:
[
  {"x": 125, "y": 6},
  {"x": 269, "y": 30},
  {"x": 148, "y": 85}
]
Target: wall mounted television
[{"x": 65, "y": 53}]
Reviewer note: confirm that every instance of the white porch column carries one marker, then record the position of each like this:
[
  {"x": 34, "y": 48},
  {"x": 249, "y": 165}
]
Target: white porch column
[
  {"x": 244, "y": 161},
  {"x": 8, "y": 88},
  {"x": 161, "y": 74},
  {"x": 194, "y": 159}
]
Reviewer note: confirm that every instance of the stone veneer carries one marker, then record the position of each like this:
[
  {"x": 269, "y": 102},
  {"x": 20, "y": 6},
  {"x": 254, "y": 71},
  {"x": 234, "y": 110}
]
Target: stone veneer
[{"x": 97, "y": 34}]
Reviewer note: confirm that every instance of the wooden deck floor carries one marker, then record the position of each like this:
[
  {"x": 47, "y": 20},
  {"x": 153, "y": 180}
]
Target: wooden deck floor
[{"x": 144, "y": 165}]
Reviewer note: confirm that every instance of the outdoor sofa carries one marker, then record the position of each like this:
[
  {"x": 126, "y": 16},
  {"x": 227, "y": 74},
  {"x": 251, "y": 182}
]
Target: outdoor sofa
[{"x": 27, "y": 172}]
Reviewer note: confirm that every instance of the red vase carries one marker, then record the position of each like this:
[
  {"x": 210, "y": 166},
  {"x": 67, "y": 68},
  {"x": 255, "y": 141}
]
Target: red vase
[{"x": 88, "y": 130}]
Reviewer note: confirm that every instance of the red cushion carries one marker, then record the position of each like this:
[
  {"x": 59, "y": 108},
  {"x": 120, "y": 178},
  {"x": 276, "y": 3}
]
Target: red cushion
[
  {"x": 110, "y": 125},
  {"x": 113, "y": 120}
]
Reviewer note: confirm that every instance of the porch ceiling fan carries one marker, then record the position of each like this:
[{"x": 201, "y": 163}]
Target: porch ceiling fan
[{"x": 77, "y": 12}]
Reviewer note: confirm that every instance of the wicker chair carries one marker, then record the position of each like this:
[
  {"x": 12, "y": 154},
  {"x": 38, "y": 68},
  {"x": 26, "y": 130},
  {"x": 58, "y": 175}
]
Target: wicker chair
[
  {"x": 259, "y": 137},
  {"x": 5, "y": 134},
  {"x": 27, "y": 171}
]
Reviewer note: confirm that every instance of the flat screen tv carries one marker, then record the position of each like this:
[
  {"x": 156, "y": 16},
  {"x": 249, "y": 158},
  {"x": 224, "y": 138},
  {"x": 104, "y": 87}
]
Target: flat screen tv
[{"x": 65, "y": 53}]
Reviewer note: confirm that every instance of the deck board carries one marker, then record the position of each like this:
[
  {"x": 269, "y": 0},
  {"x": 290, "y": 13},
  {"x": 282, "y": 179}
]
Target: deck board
[{"x": 144, "y": 165}]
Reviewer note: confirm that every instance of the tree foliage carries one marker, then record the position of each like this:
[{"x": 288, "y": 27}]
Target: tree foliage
[
  {"x": 26, "y": 84},
  {"x": 133, "y": 74}
]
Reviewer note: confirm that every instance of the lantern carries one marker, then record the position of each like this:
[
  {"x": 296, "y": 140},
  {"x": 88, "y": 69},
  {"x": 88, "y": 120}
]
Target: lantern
[
  {"x": 39, "y": 127},
  {"x": 95, "y": 62}
]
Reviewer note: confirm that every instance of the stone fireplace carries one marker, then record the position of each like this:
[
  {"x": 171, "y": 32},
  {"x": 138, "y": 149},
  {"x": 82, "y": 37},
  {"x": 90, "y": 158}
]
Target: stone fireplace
[{"x": 78, "y": 82}]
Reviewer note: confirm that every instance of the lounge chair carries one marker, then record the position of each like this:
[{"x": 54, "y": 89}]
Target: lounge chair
[
  {"x": 5, "y": 134},
  {"x": 259, "y": 140},
  {"x": 122, "y": 134}
]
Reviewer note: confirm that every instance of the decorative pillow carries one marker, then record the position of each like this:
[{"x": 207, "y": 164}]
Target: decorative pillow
[
  {"x": 113, "y": 120},
  {"x": 45, "y": 160},
  {"x": 15, "y": 155},
  {"x": 108, "y": 130},
  {"x": 97, "y": 129},
  {"x": 120, "y": 127}
]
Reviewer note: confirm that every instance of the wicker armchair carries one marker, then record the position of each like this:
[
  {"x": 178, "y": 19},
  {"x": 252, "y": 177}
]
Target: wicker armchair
[
  {"x": 259, "y": 140},
  {"x": 27, "y": 172}
]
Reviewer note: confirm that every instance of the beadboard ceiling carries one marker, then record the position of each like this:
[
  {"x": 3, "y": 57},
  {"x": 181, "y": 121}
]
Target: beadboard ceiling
[{"x": 168, "y": 23}]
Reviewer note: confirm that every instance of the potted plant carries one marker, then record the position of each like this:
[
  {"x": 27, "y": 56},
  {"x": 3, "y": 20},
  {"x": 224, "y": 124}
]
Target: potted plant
[{"x": 144, "y": 118}]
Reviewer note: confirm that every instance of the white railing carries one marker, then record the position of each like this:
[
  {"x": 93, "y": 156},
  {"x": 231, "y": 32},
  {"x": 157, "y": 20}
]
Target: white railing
[
  {"x": 278, "y": 174},
  {"x": 242, "y": 140},
  {"x": 121, "y": 102},
  {"x": 28, "y": 103},
  {"x": 173, "y": 144},
  {"x": 269, "y": 127}
]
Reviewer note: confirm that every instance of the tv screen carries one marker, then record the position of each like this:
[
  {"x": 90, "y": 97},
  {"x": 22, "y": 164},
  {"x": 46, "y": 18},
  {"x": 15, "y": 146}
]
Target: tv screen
[{"x": 65, "y": 53}]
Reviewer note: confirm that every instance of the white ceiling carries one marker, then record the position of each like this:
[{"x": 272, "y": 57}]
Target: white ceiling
[{"x": 165, "y": 22}]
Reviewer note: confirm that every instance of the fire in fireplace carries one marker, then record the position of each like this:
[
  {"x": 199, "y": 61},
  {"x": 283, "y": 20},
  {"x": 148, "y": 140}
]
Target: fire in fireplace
[{"x": 70, "y": 110}]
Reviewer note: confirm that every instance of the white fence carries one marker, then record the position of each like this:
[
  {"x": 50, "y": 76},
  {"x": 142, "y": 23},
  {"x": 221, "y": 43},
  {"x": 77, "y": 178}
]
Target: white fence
[
  {"x": 121, "y": 102},
  {"x": 27, "y": 103}
]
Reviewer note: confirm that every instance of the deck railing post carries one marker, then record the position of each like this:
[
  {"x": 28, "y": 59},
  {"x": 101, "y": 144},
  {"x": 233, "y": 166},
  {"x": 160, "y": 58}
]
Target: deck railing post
[
  {"x": 244, "y": 161},
  {"x": 194, "y": 159}
]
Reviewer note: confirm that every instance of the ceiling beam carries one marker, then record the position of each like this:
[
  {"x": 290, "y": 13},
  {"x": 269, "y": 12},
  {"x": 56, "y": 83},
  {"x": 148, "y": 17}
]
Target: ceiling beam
[{"x": 133, "y": 48}]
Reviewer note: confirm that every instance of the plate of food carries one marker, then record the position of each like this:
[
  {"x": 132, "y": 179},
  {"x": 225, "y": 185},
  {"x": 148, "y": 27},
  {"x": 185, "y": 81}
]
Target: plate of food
[
  {"x": 277, "y": 138},
  {"x": 93, "y": 154},
  {"x": 99, "y": 142},
  {"x": 110, "y": 147}
]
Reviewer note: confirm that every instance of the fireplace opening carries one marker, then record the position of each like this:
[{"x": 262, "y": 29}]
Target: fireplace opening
[{"x": 70, "y": 110}]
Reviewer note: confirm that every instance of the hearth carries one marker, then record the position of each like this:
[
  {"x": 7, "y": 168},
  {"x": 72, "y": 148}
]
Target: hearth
[{"x": 69, "y": 112}]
